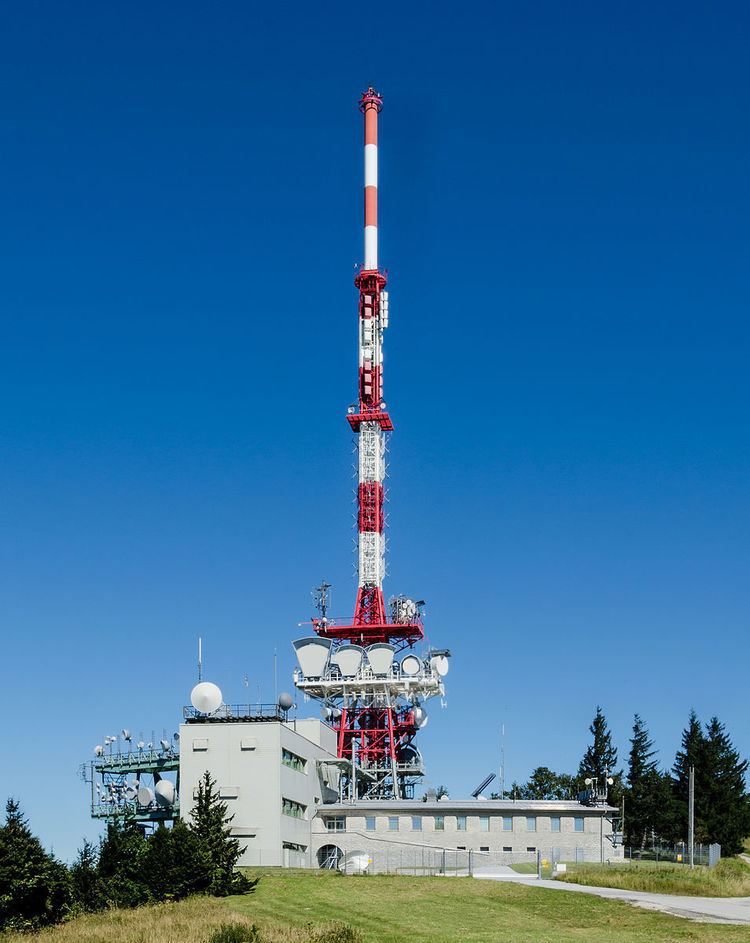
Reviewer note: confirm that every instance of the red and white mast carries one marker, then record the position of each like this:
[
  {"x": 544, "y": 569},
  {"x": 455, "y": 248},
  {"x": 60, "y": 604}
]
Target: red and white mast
[{"x": 372, "y": 700}]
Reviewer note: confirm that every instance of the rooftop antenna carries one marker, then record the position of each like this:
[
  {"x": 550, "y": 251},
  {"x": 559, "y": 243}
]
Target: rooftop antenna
[
  {"x": 321, "y": 596},
  {"x": 477, "y": 793},
  {"x": 275, "y": 681},
  {"x": 502, "y": 761},
  {"x": 200, "y": 659}
]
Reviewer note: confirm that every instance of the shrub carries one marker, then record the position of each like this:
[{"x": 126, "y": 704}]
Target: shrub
[
  {"x": 235, "y": 933},
  {"x": 335, "y": 932}
]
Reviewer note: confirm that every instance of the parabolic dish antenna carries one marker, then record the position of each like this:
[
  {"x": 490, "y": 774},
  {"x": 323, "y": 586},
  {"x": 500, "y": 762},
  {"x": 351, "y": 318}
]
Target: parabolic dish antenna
[
  {"x": 206, "y": 697},
  {"x": 164, "y": 792},
  {"x": 145, "y": 796},
  {"x": 440, "y": 665},
  {"x": 355, "y": 862},
  {"x": 411, "y": 665}
]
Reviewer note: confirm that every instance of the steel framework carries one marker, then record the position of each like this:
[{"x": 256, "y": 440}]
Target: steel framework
[{"x": 376, "y": 713}]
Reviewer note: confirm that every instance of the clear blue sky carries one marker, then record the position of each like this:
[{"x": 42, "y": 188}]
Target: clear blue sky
[{"x": 564, "y": 214}]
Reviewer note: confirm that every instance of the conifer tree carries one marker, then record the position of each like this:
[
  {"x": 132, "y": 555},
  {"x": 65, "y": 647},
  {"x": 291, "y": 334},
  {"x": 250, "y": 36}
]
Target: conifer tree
[
  {"x": 121, "y": 857},
  {"x": 86, "y": 884},
  {"x": 649, "y": 811},
  {"x": 600, "y": 759},
  {"x": 176, "y": 863},
  {"x": 726, "y": 810},
  {"x": 212, "y": 825},
  {"x": 691, "y": 753},
  {"x": 34, "y": 886}
]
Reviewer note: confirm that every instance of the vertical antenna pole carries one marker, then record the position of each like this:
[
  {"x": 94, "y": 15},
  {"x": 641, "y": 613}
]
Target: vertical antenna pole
[
  {"x": 691, "y": 816},
  {"x": 200, "y": 659},
  {"x": 371, "y": 105},
  {"x": 275, "y": 680}
]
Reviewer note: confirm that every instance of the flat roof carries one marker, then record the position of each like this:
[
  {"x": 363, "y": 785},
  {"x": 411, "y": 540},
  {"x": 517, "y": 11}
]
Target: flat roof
[{"x": 464, "y": 805}]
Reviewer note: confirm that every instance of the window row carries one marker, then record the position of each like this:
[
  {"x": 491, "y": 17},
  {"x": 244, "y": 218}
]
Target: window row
[
  {"x": 293, "y": 761},
  {"x": 295, "y": 809},
  {"x": 394, "y": 823}
]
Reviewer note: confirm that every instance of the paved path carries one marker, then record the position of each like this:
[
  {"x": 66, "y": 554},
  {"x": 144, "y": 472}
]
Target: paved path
[{"x": 705, "y": 909}]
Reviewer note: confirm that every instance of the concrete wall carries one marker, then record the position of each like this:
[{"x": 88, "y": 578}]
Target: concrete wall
[
  {"x": 246, "y": 760},
  {"x": 407, "y": 847}
]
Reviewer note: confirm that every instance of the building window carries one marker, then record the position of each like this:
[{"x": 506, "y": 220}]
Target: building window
[
  {"x": 335, "y": 823},
  {"x": 291, "y": 846},
  {"x": 555, "y": 823},
  {"x": 416, "y": 823},
  {"x": 460, "y": 823},
  {"x": 460, "y": 847},
  {"x": 439, "y": 823},
  {"x": 484, "y": 823},
  {"x": 484, "y": 847},
  {"x": 578, "y": 822},
  {"x": 296, "y": 810},
  {"x": 293, "y": 761},
  {"x": 507, "y": 823},
  {"x": 370, "y": 823},
  {"x": 393, "y": 823},
  {"x": 507, "y": 848},
  {"x": 530, "y": 848},
  {"x": 530, "y": 823}
]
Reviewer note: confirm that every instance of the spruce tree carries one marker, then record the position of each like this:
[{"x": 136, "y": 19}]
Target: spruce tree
[
  {"x": 86, "y": 884},
  {"x": 600, "y": 759},
  {"x": 641, "y": 782},
  {"x": 691, "y": 753},
  {"x": 121, "y": 858},
  {"x": 176, "y": 863},
  {"x": 34, "y": 886},
  {"x": 212, "y": 824},
  {"x": 725, "y": 812}
]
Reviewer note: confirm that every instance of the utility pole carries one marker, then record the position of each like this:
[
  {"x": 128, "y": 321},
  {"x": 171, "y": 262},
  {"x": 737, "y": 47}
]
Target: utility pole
[{"x": 691, "y": 817}]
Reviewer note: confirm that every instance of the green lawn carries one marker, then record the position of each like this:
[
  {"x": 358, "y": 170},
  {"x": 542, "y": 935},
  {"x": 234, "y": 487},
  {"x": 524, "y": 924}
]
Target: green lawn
[
  {"x": 730, "y": 878},
  {"x": 391, "y": 909}
]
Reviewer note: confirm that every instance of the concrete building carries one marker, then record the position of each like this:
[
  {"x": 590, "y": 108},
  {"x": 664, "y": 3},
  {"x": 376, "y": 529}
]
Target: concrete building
[
  {"x": 267, "y": 773},
  {"x": 280, "y": 781}
]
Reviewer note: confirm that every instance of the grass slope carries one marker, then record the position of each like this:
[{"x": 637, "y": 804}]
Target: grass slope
[
  {"x": 730, "y": 878},
  {"x": 392, "y": 910},
  {"x": 395, "y": 909}
]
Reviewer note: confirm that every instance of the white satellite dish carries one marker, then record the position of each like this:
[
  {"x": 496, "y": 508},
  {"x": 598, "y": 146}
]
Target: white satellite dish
[
  {"x": 98, "y": 750},
  {"x": 312, "y": 655},
  {"x": 165, "y": 745},
  {"x": 165, "y": 793},
  {"x": 130, "y": 792},
  {"x": 126, "y": 734},
  {"x": 411, "y": 665},
  {"x": 349, "y": 658},
  {"x": 145, "y": 795},
  {"x": 380, "y": 657},
  {"x": 440, "y": 665},
  {"x": 140, "y": 744},
  {"x": 206, "y": 697},
  {"x": 355, "y": 862}
]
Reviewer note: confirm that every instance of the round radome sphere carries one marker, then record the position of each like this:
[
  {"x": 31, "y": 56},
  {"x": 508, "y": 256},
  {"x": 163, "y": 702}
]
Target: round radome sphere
[
  {"x": 285, "y": 701},
  {"x": 164, "y": 792},
  {"x": 206, "y": 697},
  {"x": 420, "y": 717}
]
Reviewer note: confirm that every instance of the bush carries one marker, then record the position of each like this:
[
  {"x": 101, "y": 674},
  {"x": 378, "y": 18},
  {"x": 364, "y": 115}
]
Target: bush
[
  {"x": 235, "y": 933},
  {"x": 335, "y": 932}
]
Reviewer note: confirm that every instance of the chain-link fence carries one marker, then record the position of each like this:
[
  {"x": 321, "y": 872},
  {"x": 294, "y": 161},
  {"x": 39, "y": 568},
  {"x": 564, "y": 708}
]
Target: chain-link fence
[{"x": 707, "y": 855}]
